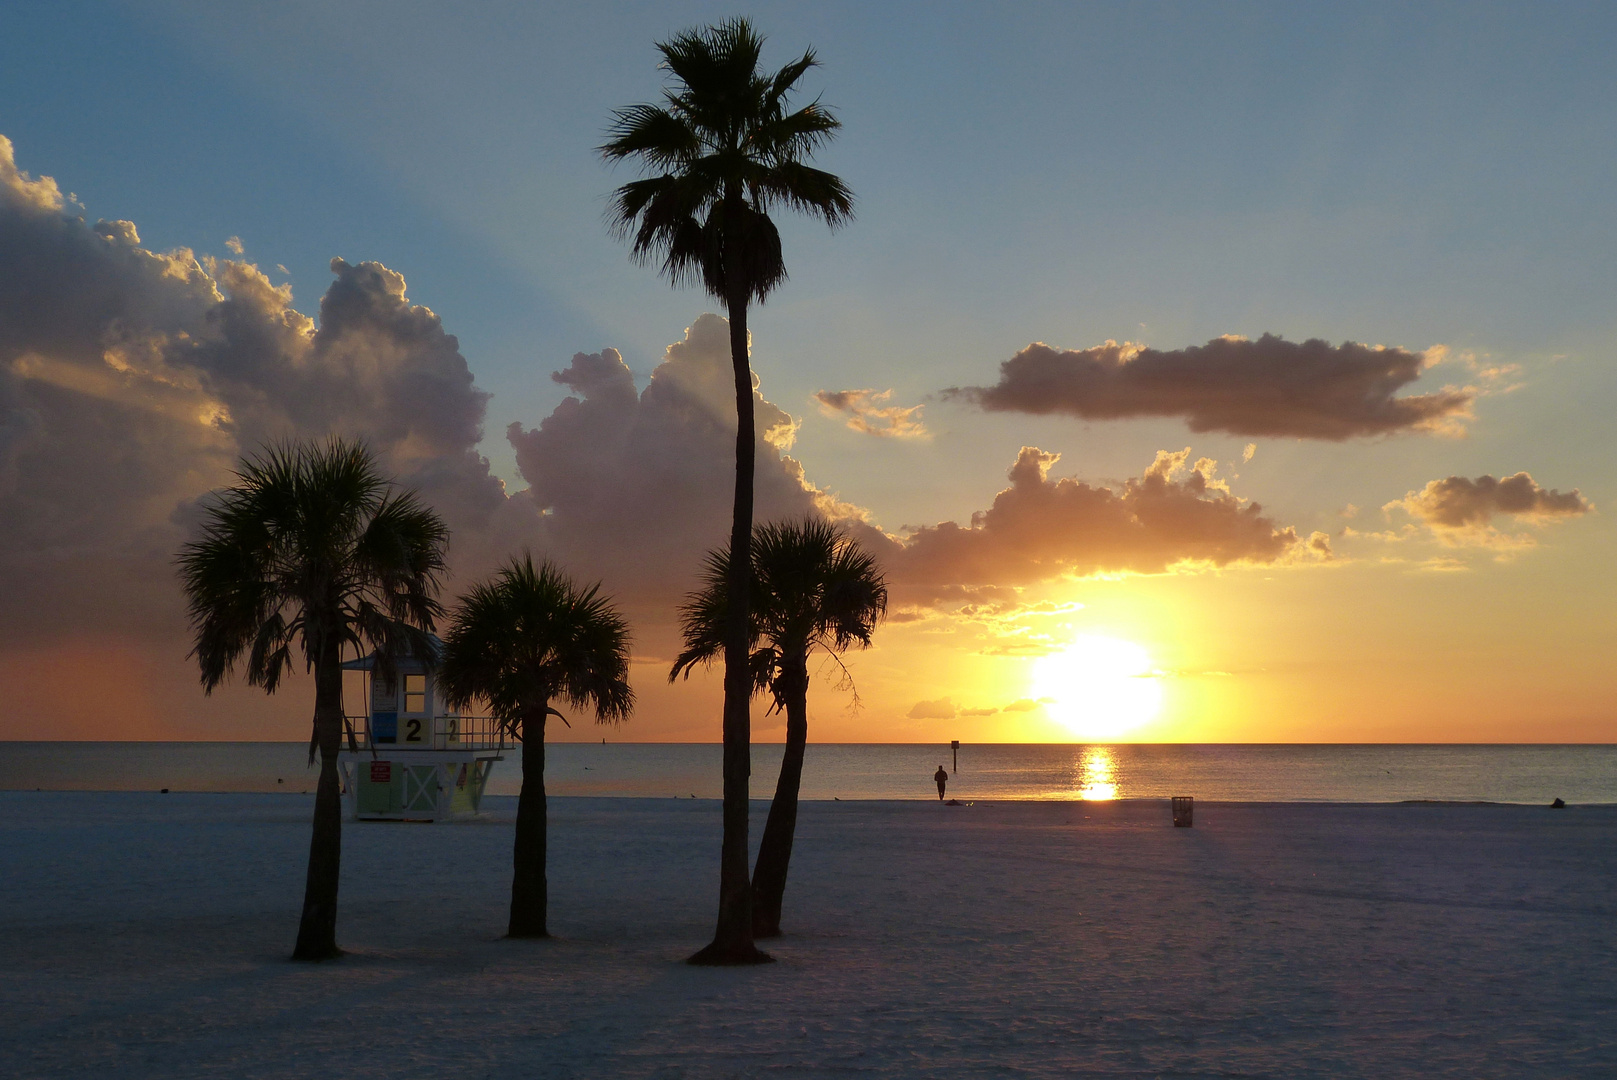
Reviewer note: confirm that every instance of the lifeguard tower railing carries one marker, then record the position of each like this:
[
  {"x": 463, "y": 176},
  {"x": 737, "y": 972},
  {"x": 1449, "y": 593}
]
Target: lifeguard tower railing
[{"x": 445, "y": 733}]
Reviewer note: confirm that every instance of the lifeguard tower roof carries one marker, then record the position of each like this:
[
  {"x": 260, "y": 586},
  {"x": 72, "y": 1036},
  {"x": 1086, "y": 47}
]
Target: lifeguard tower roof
[{"x": 405, "y": 663}]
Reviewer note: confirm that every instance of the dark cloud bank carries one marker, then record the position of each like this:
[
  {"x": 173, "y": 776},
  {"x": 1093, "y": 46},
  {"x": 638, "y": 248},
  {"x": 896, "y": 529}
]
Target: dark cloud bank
[{"x": 1268, "y": 387}]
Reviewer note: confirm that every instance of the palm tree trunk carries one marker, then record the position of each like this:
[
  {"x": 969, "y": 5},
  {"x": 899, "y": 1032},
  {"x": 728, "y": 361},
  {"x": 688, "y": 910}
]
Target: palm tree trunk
[
  {"x": 530, "y": 896},
  {"x": 317, "y": 931},
  {"x": 732, "y": 939},
  {"x": 775, "y": 849}
]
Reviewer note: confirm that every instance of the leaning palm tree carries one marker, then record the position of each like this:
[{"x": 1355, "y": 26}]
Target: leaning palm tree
[
  {"x": 521, "y": 641},
  {"x": 313, "y": 550},
  {"x": 812, "y": 588},
  {"x": 723, "y": 150}
]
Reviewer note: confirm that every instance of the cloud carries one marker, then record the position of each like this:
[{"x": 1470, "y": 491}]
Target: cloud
[
  {"x": 1022, "y": 705},
  {"x": 19, "y": 191},
  {"x": 869, "y": 412},
  {"x": 1461, "y": 510},
  {"x": 989, "y": 711},
  {"x": 234, "y": 245},
  {"x": 1267, "y": 387},
  {"x": 1040, "y": 528},
  {"x": 132, "y": 381},
  {"x": 940, "y": 709},
  {"x": 1491, "y": 378},
  {"x": 635, "y": 486}
]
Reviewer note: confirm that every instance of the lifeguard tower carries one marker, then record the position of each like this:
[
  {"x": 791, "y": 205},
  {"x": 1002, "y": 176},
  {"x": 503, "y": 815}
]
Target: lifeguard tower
[{"x": 409, "y": 759}]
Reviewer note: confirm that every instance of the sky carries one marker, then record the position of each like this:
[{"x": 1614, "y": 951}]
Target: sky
[{"x": 1226, "y": 372}]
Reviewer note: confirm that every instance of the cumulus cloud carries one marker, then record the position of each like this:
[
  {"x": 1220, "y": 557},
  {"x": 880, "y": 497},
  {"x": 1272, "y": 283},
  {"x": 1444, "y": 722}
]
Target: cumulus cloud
[
  {"x": 1273, "y": 387},
  {"x": 635, "y": 486},
  {"x": 940, "y": 709},
  {"x": 22, "y": 192},
  {"x": 1040, "y": 528},
  {"x": 867, "y": 411},
  {"x": 1461, "y": 510},
  {"x": 131, "y": 382}
]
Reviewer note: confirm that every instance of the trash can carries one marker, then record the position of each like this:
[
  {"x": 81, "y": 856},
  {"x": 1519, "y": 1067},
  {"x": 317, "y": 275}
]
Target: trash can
[{"x": 1184, "y": 811}]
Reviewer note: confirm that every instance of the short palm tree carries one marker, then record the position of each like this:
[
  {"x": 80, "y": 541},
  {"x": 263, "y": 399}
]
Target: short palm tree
[
  {"x": 313, "y": 551},
  {"x": 813, "y": 588},
  {"x": 723, "y": 150},
  {"x": 525, "y": 639}
]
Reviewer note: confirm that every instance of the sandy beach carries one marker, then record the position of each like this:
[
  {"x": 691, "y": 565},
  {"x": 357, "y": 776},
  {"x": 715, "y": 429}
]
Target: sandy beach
[{"x": 147, "y": 935}]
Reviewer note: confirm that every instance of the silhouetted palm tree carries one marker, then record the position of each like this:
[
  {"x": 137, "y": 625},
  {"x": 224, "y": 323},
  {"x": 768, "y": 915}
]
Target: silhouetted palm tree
[
  {"x": 312, "y": 551},
  {"x": 519, "y": 642},
  {"x": 723, "y": 150},
  {"x": 812, "y": 588}
]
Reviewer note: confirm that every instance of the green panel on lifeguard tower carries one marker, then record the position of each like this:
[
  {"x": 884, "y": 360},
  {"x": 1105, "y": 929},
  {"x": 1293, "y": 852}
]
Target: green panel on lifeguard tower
[
  {"x": 381, "y": 787},
  {"x": 420, "y": 789},
  {"x": 463, "y": 786}
]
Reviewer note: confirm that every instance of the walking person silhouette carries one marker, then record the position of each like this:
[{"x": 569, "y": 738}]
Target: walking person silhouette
[{"x": 942, "y": 778}]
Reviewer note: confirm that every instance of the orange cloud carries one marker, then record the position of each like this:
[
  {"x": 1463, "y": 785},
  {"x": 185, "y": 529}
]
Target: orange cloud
[
  {"x": 1040, "y": 528},
  {"x": 869, "y": 412}
]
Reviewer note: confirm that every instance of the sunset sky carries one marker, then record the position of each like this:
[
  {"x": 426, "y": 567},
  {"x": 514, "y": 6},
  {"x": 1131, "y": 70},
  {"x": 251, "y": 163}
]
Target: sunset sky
[{"x": 1198, "y": 372}]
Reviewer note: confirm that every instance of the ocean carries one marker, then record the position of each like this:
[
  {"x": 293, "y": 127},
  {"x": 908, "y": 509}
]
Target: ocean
[{"x": 1223, "y": 772}]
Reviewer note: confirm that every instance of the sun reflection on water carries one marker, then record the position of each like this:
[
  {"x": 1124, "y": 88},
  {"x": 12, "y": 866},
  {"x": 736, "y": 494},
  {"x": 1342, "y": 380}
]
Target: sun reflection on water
[{"x": 1095, "y": 776}]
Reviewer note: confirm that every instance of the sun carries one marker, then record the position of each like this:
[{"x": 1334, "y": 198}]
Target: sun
[{"x": 1099, "y": 688}]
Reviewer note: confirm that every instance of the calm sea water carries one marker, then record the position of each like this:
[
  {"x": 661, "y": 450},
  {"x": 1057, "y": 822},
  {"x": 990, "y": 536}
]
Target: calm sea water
[{"x": 1258, "y": 773}]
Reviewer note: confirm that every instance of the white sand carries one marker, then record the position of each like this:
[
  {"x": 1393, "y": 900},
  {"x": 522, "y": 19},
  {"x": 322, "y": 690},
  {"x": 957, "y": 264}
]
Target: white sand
[{"x": 146, "y": 935}]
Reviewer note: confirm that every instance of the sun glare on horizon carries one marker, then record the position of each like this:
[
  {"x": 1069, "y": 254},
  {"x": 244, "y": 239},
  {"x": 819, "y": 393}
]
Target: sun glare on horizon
[{"x": 1098, "y": 688}]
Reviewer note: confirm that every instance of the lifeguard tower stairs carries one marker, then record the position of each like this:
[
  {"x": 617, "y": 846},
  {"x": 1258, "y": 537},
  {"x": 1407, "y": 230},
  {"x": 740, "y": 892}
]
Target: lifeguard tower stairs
[{"x": 408, "y": 760}]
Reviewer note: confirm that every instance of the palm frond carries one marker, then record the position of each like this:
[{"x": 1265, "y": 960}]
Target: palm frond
[
  {"x": 807, "y": 190},
  {"x": 658, "y": 137},
  {"x": 703, "y": 615}
]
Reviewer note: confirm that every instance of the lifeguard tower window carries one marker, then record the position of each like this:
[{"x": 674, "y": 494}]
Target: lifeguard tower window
[
  {"x": 415, "y": 693},
  {"x": 414, "y": 726}
]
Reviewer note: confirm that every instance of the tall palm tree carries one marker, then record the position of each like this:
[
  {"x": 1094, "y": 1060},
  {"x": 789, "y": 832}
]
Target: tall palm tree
[
  {"x": 313, "y": 550},
  {"x": 812, "y": 588},
  {"x": 527, "y": 638},
  {"x": 723, "y": 150}
]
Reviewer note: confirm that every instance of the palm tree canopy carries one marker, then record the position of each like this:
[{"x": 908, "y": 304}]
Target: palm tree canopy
[
  {"x": 531, "y": 635},
  {"x": 722, "y": 151},
  {"x": 812, "y": 588},
  {"x": 312, "y": 549}
]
